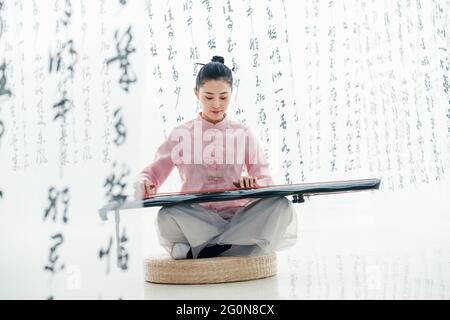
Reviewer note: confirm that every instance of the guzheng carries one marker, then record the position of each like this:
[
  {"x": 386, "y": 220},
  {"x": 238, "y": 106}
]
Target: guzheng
[{"x": 298, "y": 191}]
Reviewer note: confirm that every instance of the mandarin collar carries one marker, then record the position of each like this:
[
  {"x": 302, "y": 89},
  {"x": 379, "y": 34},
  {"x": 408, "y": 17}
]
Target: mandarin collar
[{"x": 219, "y": 125}]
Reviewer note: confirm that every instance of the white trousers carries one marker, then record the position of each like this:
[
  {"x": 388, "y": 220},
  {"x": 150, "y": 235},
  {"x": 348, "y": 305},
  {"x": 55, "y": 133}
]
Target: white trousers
[{"x": 263, "y": 226}]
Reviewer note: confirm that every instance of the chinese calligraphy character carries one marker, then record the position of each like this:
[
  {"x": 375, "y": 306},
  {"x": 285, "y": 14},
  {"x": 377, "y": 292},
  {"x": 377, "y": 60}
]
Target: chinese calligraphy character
[
  {"x": 53, "y": 196},
  {"x": 123, "y": 51},
  {"x": 53, "y": 257}
]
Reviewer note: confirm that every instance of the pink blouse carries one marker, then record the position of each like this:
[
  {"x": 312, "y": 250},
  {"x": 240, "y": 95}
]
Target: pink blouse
[{"x": 210, "y": 157}]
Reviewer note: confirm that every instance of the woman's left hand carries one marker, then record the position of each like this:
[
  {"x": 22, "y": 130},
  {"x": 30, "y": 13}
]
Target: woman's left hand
[{"x": 246, "y": 183}]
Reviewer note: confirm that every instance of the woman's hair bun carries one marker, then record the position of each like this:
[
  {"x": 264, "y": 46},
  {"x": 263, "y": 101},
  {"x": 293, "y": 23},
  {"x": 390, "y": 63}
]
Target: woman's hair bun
[
  {"x": 214, "y": 70},
  {"x": 218, "y": 59}
]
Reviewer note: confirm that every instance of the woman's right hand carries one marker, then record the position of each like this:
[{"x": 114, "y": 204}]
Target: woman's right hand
[{"x": 144, "y": 189}]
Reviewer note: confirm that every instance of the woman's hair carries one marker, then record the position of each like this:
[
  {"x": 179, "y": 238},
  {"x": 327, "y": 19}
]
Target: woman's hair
[{"x": 214, "y": 70}]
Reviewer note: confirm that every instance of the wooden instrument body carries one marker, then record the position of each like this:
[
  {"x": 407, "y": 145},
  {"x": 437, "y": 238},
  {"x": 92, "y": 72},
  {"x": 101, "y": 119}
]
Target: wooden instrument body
[{"x": 298, "y": 191}]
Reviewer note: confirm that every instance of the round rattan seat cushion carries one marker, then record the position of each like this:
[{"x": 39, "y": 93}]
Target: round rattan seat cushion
[{"x": 164, "y": 269}]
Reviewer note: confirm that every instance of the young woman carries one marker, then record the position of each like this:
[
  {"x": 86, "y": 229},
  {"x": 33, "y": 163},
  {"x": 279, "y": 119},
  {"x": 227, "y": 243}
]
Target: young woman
[{"x": 211, "y": 152}]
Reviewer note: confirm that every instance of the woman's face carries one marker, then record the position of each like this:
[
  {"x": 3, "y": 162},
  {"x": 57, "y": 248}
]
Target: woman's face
[{"x": 214, "y": 97}]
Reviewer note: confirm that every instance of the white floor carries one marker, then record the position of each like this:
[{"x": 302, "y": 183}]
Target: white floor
[
  {"x": 394, "y": 245},
  {"x": 424, "y": 275},
  {"x": 386, "y": 245}
]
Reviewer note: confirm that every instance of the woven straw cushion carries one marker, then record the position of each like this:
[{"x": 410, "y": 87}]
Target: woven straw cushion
[{"x": 210, "y": 270}]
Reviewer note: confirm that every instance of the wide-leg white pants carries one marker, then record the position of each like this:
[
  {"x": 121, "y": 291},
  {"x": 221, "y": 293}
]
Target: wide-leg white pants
[{"x": 263, "y": 226}]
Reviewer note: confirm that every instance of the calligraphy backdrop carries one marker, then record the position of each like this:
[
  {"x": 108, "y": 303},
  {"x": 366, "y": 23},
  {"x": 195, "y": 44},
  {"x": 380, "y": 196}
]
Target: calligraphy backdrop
[{"x": 89, "y": 89}]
